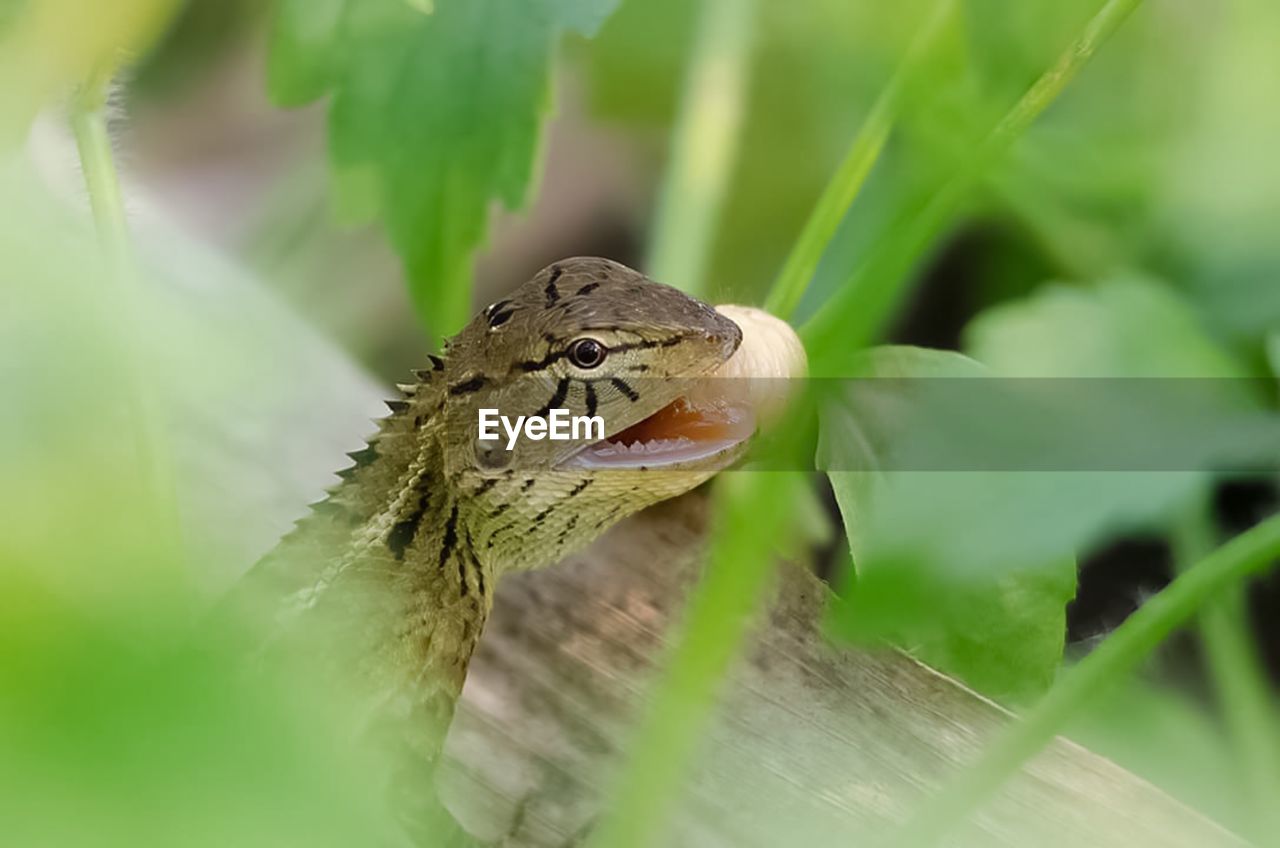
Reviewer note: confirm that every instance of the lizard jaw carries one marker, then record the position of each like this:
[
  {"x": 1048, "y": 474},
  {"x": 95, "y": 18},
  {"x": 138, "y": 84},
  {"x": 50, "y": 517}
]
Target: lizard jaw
[
  {"x": 708, "y": 429},
  {"x": 686, "y": 434}
]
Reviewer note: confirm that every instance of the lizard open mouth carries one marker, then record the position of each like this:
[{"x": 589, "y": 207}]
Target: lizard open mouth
[{"x": 689, "y": 431}]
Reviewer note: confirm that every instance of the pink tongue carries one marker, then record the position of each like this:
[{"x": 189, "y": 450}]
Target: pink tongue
[{"x": 707, "y": 421}]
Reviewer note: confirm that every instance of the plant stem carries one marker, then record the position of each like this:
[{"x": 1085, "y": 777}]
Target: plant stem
[
  {"x": 831, "y": 208},
  {"x": 704, "y": 145},
  {"x": 124, "y": 318},
  {"x": 751, "y": 512},
  {"x": 847, "y": 322},
  {"x": 1238, "y": 680},
  {"x": 1117, "y": 656}
]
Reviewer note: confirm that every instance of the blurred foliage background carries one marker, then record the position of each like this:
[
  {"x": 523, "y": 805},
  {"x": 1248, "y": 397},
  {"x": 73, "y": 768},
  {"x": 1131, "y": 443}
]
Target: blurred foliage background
[{"x": 304, "y": 178}]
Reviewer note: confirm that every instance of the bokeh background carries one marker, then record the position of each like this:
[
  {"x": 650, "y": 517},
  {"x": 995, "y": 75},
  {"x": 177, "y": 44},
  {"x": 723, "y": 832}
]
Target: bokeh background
[{"x": 1130, "y": 231}]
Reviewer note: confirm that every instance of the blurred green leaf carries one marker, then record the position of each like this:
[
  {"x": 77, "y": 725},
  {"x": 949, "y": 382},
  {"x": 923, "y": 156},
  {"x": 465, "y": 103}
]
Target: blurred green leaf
[
  {"x": 444, "y": 108},
  {"x": 999, "y": 629},
  {"x": 817, "y": 67},
  {"x": 1167, "y": 738},
  {"x": 1123, "y": 327},
  {"x": 1219, "y": 194},
  {"x": 120, "y": 724},
  {"x": 964, "y": 505}
]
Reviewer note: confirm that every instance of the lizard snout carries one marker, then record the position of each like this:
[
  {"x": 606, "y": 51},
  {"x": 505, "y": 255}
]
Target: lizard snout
[{"x": 724, "y": 336}]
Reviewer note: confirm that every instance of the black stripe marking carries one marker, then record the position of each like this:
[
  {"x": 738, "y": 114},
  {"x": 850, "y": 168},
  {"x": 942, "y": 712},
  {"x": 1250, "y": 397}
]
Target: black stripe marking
[
  {"x": 475, "y": 563},
  {"x": 587, "y": 289},
  {"x": 496, "y": 533},
  {"x": 568, "y": 528},
  {"x": 485, "y": 486},
  {"x": 612, "y": 514},
  {"x": 531, "y": 365},
  {"x": 450, "y": 538},
  {"x": 591, "y": 399},
  {"x": 437, "y": 364},
  {"x": 581, "y": 487},
  {"x": 402, "y": 534},
  {"x": 670, "y": 341},
  {"x": 557, "y": 398},
  {"x": 499, "y": 509},
  {"x": 397, "y": 406},
  {"x": 538, "y": 519},
  {"x": 638, "y": 369},
  {"x": 553, "y": 294},
  {"x": 624, "y": 387},
  {"x": 467, "y": 386},
  {"x": 528, "y": 484}
]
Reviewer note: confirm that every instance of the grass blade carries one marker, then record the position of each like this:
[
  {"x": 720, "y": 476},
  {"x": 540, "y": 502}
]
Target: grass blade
[
  {"x": 1239, "y": 684},
  {"x": 1247, "y": 554},
  {"x": 123, "y": 303},
  {"x": 863, "y": 153},
  {"x": 752, "y": 509},
  {"x": 704, "y": 145},
  {"x": 860, "y": 308}
]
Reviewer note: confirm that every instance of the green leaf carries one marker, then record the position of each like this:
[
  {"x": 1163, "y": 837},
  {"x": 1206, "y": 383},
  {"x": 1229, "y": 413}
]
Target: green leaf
[
  {"x": 438, "y": 113},
  {"x": 1124, "y": 327},
  {"x": 964, "y": 504},
  {"x": 114, "y": 687},
  {"x": 999, "y": 629}
]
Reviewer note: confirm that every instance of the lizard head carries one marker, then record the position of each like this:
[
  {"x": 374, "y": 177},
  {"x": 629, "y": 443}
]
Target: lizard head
[{"x": 596, "y": 339}]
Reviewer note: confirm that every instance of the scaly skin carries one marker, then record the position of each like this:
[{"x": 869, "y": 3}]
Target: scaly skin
[{"x": 391, "y": 578}]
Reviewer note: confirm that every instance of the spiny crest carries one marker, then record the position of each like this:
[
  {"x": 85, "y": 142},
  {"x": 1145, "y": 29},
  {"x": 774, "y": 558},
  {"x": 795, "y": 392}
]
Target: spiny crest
[{"x": 365, "y": 456}]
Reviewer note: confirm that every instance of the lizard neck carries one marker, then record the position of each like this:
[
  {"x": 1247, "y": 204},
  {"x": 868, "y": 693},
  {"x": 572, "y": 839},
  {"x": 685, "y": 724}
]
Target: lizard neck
[{"x": 390, "y": 556}]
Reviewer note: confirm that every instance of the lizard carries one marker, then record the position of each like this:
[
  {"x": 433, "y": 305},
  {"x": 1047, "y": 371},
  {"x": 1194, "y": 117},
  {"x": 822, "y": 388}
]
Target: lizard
[{"x": 388, "y": 581}]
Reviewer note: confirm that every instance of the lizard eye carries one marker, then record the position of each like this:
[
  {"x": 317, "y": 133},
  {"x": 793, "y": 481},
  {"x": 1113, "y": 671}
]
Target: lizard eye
[{"x": 587, "y": 353}]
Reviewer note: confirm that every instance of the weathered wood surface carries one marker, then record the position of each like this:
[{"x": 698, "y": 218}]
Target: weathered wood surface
[{"x": 813, "y": 745}]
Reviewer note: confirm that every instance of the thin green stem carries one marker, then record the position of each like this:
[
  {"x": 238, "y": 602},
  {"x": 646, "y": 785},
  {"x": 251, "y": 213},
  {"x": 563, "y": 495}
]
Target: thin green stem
[
  {"x": 1242, "y": 692},
  {"x": 848, "y": 321},
  {"x": 1116, "y": 657},
  {"x": 123, "y": 301},
  {"x": 93, "y": 141},
  {"x": 751, "y": 511},
  {"x": 704, "y": 145},
  {"x": 844, "y": 187}
]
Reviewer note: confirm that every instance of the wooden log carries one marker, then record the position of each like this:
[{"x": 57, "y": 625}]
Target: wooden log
[{"x": 813, "y": 744}]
